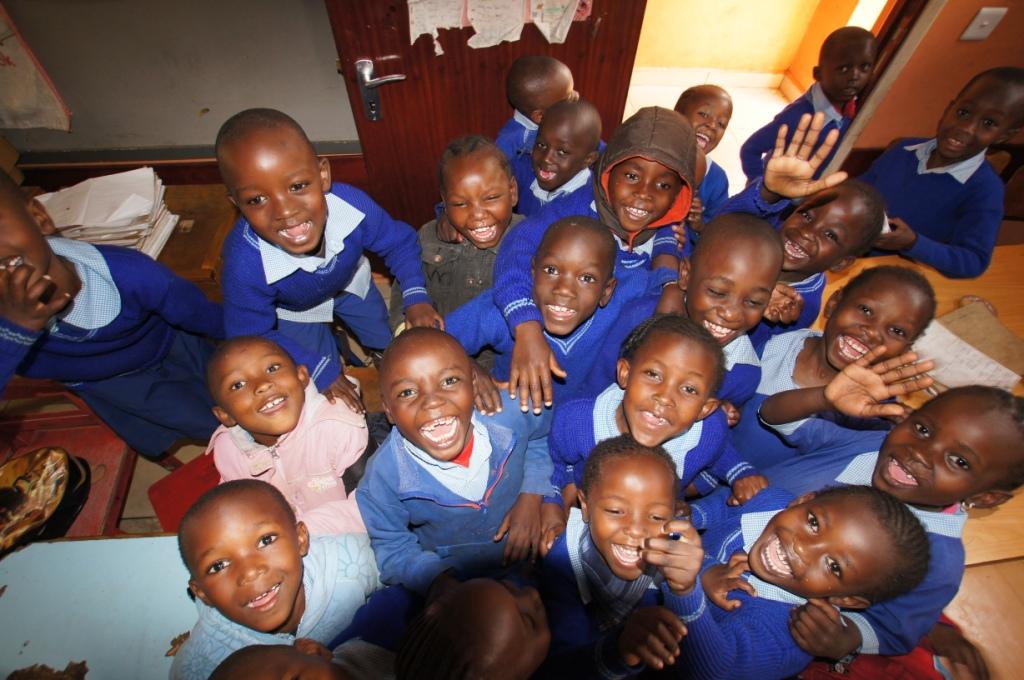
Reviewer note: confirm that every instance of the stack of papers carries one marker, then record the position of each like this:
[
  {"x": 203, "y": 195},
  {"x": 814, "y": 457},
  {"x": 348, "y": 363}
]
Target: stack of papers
[{"x": 126, "y": 209}]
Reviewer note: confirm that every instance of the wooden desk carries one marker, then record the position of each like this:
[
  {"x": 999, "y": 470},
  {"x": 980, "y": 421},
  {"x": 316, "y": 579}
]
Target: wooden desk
[
  {"x": 193, "y": 251},
  {"x": 997, "y": 534}
]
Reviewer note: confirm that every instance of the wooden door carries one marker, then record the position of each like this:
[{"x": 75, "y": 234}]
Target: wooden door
[{"x": 462, "y": 91}]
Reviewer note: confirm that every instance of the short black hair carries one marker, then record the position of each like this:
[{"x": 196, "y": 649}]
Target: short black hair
[
  {"x": 222, "y": 350},
  {"x": 1005, "y": 403},
  {"x": 1008, "y": 77},
  {"x": 732, "y": 226},
  {"x": 528, "y": 79},
  {"x": 903, "y": 277},
  {"x": 841, "y": 35},
  {"x": 676, "y": 324},
  {"x": 874, "y": 212},
  {"x": 222, "y": 492},
  {"x": 468, "y": 145},
  {"x": 435, "y": 336},
  {"x": 618, "y": 448},
  {"x": 911, "y": 550},
  {"x": 584, "y": 116},
  {"x": 245, "y": 122},
  {"x": 587, "y": 226},
  {"x": 701, "y": 92}
]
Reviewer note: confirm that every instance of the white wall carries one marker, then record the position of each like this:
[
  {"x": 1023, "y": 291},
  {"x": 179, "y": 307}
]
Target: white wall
[{"x": 139, "y": 73}]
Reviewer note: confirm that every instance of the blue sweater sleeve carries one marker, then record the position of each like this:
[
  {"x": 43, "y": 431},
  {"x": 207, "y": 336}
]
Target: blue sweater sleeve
[
  {"x": 479, "y": 324},
  {"x": 749, "y": 201},
  {"x": 15, "y": 344},
  {"x": 572, "y": 438},
  {"x": 665, "y": 243},
  {"x": 714, "y": 190},
  {"x": 729, "y": 466},
  {"x": 179, "y": 302},
  {"x": 763, "y": 141}
]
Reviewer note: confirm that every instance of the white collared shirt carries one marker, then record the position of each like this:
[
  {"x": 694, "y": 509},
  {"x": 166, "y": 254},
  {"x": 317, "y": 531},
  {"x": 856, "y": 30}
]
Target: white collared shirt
[
  {"x": 524, "y": 120},
  {"x": 578, "y": 180},
  {"x": 822, "y": 104},
  {"x": 469, "y": 482},
  {"x": 961, "y": 171},
  {"x": 98, "y": 302}
]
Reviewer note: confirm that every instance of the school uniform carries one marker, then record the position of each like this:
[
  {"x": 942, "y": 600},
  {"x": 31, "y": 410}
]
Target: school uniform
[
  {"x": 955, "y": 210},
  {"x": 532, "y": 198},
  {"x": 131, "y": 345},
  {"x": 517, "y": 136},
  {"x": 762, "y": 143},
  {"x": 292, "y": 300}
]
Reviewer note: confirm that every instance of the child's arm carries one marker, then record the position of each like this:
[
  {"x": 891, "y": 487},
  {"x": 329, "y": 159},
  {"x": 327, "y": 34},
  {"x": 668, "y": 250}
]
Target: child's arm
[
  {"x": 25, "y": 309},
  {"x": 859, "y": 390},
  {"x": 179, "y": 302},
  {"x": 718, "y": 580},
  {"x": 968, "y": 252},
  {"x": 789, "y": 172}
]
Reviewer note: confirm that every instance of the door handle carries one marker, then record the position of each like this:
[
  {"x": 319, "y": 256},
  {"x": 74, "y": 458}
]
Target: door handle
[{"x": 368, "y": 87}]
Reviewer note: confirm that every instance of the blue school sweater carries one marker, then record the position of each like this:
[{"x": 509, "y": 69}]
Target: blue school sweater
[
  {"x": 513, "y": 282},
  {"x": 419, "y": 528},
  {"x": 254, "y": 298},
  {"x": 830, "y": 457},
  {"x": 956, "y": 211},
  {"x": 580, "y": 424},
  {"x": 579, "y": 649},
  {"x": 762, "y": 142},
  {"x": 124, "y": 319},
  {"x": 532, "y": 198},
  {"x": 517, "y": 136},
  {"x": 714, "y": 190}
]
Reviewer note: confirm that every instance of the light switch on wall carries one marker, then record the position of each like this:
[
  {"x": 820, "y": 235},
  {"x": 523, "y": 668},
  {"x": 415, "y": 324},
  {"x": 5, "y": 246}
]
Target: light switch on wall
[{"x": 983, "y": 23}]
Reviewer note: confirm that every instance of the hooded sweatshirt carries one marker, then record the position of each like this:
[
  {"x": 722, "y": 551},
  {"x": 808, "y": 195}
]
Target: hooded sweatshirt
[{"x": 654, "y": 133}]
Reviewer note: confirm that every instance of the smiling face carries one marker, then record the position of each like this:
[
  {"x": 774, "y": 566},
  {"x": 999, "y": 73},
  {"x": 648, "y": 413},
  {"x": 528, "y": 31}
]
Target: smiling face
[
  {"x": 641, "y": 192},
  {"x": 427, "y": 390},
  {"x": 668, "y": 384},
  {"x": 478, "y": 196},
  {"x": 709, "y": 114},
  {"x": 846, "y": 67},
  {"x": 729, "y": 287},
  {"x": 878, "y": 312},
  {"x": 986, "y": 113},
  {"x": 825, "y": 547},
  {"x": 824, "y": 233},
  {"x": 22, "y": 241},
  {"x": 278, "y": 184},
  {"x": 245, "y": 556},
  {"x": 954, "y": 448},
  {"x": 630, "y": 502},
  {"x": 256, "y": 384},
  {"x": 563, "y": 147},
  {"x": 572, "y": 277}
]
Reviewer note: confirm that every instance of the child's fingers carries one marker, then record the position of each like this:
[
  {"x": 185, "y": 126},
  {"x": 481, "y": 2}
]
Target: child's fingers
[
  {"x": 796, "y": 141},
  {"x": 502, "y": 528},
  {"x": 556, "y": 368},
  {"x": 821, "y": 612},
  {"x": 683, "y": 528},
  {"x": 869, "y": 357},
  {"x": 884, "y": 411},
  {"x": 780, "y": 141},
  {"x": 809, "y": 138}
]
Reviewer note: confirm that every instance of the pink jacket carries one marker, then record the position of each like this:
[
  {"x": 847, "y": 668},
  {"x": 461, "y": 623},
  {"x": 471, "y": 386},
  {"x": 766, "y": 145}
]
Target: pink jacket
[{"x": 305, "y": 465}]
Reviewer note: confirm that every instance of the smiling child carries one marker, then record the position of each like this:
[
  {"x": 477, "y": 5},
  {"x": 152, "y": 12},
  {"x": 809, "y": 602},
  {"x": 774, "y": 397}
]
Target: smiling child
[
  {"x": 533, "y": 84},
  {"x": 276, "y": 427},
  {"x": 258, "y": 578},
  {"x": 709, "y": 110}
]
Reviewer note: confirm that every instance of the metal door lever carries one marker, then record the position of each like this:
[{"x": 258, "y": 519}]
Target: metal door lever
[{"x": 368, "y": 87}]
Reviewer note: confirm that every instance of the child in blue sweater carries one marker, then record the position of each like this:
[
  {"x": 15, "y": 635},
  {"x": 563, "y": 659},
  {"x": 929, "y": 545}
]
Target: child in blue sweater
[
  {"x": 845, "y": 64},
  {"x": 534, "y": 82},
  {"x": 667, "y": 375},
  {"x": 944, "y": 202},
  {"x": 259, "y": 579},
  {"x": 614, "y": 581},
  {"x": 848, "y": 548},
  {"x": 834, "y": 222},
  {"x": 881, "y": 307},
  {"x": 118, "y": 329},
  {"x": 643, "y": 181},
  {"x": 962, "y": 449},
  {"x": 449, "y": 492},
  {"x": 559, "y": 164},
  {"x": 295, "y": 258},
  {"x": 709, "y": 110}
]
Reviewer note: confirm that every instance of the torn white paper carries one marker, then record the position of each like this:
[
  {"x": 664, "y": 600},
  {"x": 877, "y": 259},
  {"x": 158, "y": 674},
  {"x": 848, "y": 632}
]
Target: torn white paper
[
  {"x": 427, "y": 16},
  {"x": 553, "y": 18},
  {"x": 958, "y": 363},
  {"x": 495, "y": 21}
]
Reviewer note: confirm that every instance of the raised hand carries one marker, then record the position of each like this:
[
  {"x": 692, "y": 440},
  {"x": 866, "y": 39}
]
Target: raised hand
[
  {"x": 651, "y": 636},
  {"x": 718, "y": 581},
  {"x": 860, "y": 389},
  {"x": 790, "y": 170},
  {"x": 785, "y": 305}
]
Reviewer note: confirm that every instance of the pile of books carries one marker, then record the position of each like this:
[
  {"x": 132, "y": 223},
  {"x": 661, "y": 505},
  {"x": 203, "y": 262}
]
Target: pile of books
[{"x": 125, "y": 209}]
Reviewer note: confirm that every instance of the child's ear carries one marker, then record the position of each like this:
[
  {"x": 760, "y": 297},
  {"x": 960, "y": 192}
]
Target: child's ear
[
  {"x": 303, "y": 533},
  {"x": 224, "y": 417},
  {"x": 583, "y": 505},
  {"x": 816, "y": 72},
  {"x": 849, "y": 601},
  {"x": 833, "y": 301},
  {"x": 198, "y": 592},
  {"x": 622, "y": 372},
  {"x": 303, "y": 374},
  {"x": 591, "y": 157},
  {"x": 802, "y": 499},
  {"x": 842, "y": 264},
  {"x": 325, "y": 174},
  {"x": 513, "y": 189},
  {"x": 609, "y": 288},
  {"x": 684, "y": 273},
  {"x": 387, "y": 410},
  {"x": 537, "y": 115},
  {"x": 42, "y": 218},
  {"x": 988, "y": 499},
  {"x": 709, "y": 407}
]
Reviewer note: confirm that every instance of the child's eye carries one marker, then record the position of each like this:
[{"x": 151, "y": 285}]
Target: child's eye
[
  {"x": 812, "y": 522},
  {"x": 456, "y": 204},
  {"x": 407, "y": 393},
  {"x": 631, "y": 176},
  {"x": 988, "y": 122},
  {"x": 563, "y": 152},
  {"x": 715, "y": 293},
  {"x": 541, "y": 145},
  {"x": 273, "y": 368},
  {"x": 550, "y": 270},
  {"x": 751, "y": 302},
  {"x": 962, "y": 112},
  {"x": 587, "y": 278},
  {"x": 844, "y": 69},
  {"x": 237, "y": 385},
  {"x": 615, "y": 512},
  {"x": 256, "y": 200},
  {"x": 690, "y": 389},
  {"x": 265, "y": 540},
  {"x": 299, "y": 186},
  {"x": 864, "y": 309},
  {"x": 652, "y": 374},
  {"x": 958, "y": 461},
  {"x": 832, "y": 236},
  {"x": 807, "y": 216},
  {"x": 659, "y": 518},
  {"x": 218, "y": 566},
  {"x": 897, "y": 331},
  {"x": 665, "y": 186},
  {"x": 834, "y": 567},
  {"x": 493, "y": 197},
  {"x": 922, "y": 430},
  {"x": 451, "y": 380}
]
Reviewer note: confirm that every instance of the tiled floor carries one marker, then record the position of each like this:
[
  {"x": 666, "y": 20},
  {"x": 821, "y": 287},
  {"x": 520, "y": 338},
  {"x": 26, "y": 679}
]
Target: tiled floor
[{"x": 756, "y": 99}]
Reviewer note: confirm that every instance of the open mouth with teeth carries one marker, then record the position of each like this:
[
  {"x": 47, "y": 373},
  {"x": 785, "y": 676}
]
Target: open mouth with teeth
[
  {"x": 626, "y": 555},
  {"x": 546, "y": 175},
  {"x": 721, "y": 333},
  {"x": 652, "y": 420},
  {"x": 850, "y": 348},
  {"x": 12, "y": 261},
  {"x": 273, "y": 405},
  {"x": 896, "y": 474},
  {"x": 775, "y": 559},
  {"x": 265, "y": 600},
  {"x": 702, "y": 140},
  {"x": 441, "y": 432},
  {"x": 560, "y": 312},
  {"x": 795, "y": 252},
  {"x": 297, "y": 234},
  {"x": 637, "y": 215},
  {"x": 484, "y": 234}
]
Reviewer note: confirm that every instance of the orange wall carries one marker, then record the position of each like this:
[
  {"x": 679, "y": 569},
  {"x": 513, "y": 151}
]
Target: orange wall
[
  {"x": 830, "y": 15},
  {"x": 939, "y": 67}
]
